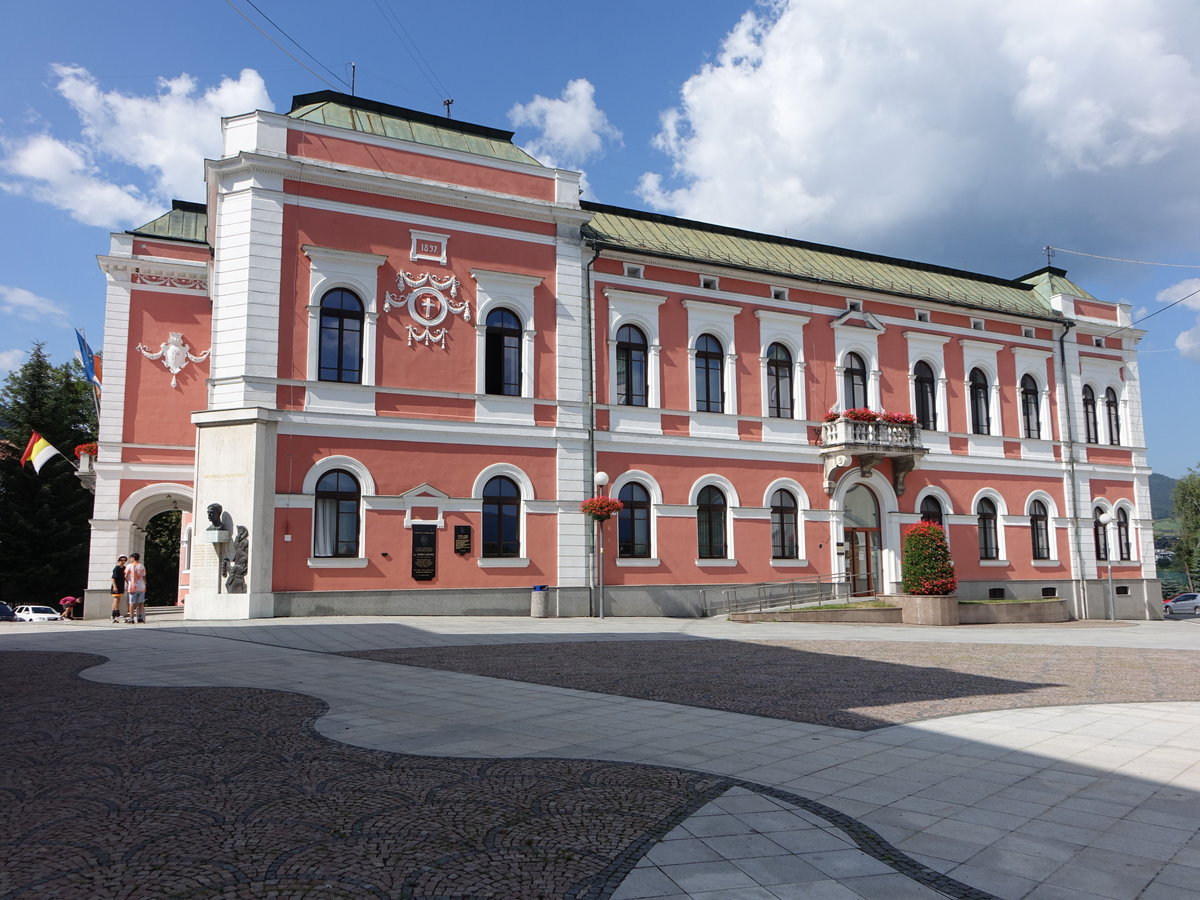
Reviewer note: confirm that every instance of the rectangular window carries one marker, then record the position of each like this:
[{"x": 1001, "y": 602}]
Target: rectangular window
[
  {"x": 778, "y": 293},
  {"x": 922, "y": 315},
  {"x": 634, "y": 271},
  {"x": 977, "y": 324},
  {"x": 708, "y": 282}
]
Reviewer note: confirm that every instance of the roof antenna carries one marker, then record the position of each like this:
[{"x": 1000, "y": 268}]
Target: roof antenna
[
  {"x": 353, "y": 77},
  {"x": 448, "y": 102},
  {"x": 1049, "y": 251}
]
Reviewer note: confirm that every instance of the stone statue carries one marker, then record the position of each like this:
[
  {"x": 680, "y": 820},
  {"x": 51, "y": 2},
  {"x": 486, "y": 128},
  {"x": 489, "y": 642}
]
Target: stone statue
[
  {"x": 234, "y": 568},
  {"x": 214, "y": 515}
]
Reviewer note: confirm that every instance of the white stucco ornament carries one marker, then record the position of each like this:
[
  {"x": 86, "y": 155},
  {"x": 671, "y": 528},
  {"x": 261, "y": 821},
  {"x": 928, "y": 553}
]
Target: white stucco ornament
[
  {"x": 174, "y": 353},
  {"x": 429, "y": 301}
]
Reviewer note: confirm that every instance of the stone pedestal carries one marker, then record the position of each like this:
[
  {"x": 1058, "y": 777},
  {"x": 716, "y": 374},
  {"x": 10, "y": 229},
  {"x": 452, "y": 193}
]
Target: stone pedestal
[{"x": 922, "y": 609}]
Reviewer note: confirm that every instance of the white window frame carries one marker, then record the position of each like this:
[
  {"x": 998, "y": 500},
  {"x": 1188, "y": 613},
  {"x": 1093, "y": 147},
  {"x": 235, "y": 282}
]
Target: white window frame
[
  {"x": 982, "y": 355},
  {"x": 329, "y": 270},
  {"x": 1001, "y": 526},
  {"x": 505, "y": 290},
  {"x": 705, "y": 317},
  {"x": 1052, "y": 525},
  {"x": 786, "y": 329},
  {"x": 651, "y": 485},
  {"x": 642, "y": 310},
  {"x": 802, "y": 507},
  {"x": 731, "y": 501},
  {"x": 366, "y": 488},
  {"x": 525, "y": 485},
  {"x": 930, "y": 349}
]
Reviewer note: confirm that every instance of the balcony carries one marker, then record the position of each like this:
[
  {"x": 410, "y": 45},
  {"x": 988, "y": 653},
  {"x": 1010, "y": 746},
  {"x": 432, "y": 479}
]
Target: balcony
[{"x": 871, "y": 442}]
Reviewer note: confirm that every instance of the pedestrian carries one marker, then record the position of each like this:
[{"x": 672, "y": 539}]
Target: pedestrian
[
  {"x": 135, "y": 583},
  {"x": 118, "y": 587},
  {"x": 68, "y": 608}
]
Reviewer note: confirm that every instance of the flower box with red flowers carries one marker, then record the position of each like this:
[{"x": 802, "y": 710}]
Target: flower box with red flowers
[
  {"x": 601, "y": 508},
  {"x": 88, "y": 449}
]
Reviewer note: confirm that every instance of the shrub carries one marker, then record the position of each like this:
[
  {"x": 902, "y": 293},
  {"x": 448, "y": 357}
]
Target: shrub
[{"x": 926, "y": 567}]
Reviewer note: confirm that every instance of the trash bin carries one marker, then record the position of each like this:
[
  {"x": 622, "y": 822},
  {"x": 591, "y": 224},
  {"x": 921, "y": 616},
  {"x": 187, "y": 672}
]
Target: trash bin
[{"x": 539, "y": 602}]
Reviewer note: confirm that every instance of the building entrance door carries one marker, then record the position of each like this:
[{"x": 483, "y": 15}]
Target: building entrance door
[{"x": 863, "y": 557}]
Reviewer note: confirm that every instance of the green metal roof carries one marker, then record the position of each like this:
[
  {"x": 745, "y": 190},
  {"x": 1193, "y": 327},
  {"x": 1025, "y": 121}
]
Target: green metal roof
[
  {"x": 1050, "y": 281},
  {"x": 657, "y": 235},
  {"x": 185, "y": 222},
  {"x": 372, "y": 117}
]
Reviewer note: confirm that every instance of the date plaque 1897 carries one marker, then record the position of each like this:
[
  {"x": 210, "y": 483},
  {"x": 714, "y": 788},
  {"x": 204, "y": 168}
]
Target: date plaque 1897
[{"x": 424, "y": 552}]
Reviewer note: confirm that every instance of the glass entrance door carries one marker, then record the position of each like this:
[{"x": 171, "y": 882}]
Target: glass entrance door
[{"x": 863, "y": 556}]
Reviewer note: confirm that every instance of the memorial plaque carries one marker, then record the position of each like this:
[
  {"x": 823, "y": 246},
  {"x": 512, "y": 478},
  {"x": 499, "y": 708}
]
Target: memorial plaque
[
  {"x": 462, "y": 539},
  {"x": 424, "y": 552}
]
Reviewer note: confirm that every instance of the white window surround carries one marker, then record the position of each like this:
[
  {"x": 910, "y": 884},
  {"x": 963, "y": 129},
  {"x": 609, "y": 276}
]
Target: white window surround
[
  {"x": 1001, "y": 524},
  {"x": 1134, "y": 530},
  {"x": 787, "y": 330},
  {"x": 633, "y": 270},
  {"x": 366, "y": 488},
  {"x": 801, "y": 497},
  {"x": 731, "y": 501},
  {"x": 525, "y": 486},
  {"x": 937, "y": 494},
  {"x": 1103, "y": 374},
  {"x": 641, "y": 310},
  {"x": 647, "y": 481},
  {"x": 982, "y": 355},
  {"x": 329, "y": 270},
  {"x": 852, "y": 337},
  {"x": 514, "y": 293},
  {"x": 1033, "y": 363},
  {"x": 1052, "y": 524},
  {"x": 930, "y": 349},
  {"x": 779, "y": 293},
  {"x": 705, "y": 317}
]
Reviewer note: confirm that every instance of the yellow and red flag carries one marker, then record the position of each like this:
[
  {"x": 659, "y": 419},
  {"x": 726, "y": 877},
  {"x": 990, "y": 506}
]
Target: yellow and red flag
[{"x": 37, "y": 451}]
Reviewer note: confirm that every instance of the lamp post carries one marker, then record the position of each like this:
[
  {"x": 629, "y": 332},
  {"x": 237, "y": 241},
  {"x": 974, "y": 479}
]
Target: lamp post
[
  {"x": 1105, "y": 520},
  {"x": 600, "y": 480}
]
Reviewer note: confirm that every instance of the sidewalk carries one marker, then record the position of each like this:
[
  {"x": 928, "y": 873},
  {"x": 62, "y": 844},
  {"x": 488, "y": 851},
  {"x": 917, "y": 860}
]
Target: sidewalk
[{"x": 1089, "y": 800}]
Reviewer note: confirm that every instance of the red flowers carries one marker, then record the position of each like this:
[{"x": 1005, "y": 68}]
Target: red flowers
[
  {"x": 89, "y": 448},
  {"x": 926, "y": 567},
  {"x": 869, "y": 415},
  {"x": 600, "y": 508}
]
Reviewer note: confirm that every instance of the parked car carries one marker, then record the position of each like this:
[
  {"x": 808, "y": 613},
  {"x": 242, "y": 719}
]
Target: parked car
[
  {"x": 1182, "y": 603},
  {"x": 6, "y": 613},
  {"x": 37, "y": 614}
]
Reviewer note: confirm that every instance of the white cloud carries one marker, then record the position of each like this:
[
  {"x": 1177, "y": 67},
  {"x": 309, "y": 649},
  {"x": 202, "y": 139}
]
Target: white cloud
[
  {"x": 573, "y": 129},
  {"x": 1186, "y": 292},
  {"x": 920, "y": 124},
  {"x": 29, "y": 306},
  {"x": 162, "y": 138},
  {"x": 11, "y": 359}
]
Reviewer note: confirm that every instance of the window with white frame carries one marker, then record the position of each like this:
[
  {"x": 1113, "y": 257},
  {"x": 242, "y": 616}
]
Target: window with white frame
[
  {"x": 342, "y": 315},
  {"x": 1031, "y": 405},
  {"x": 341, "y": 342},
  {"x": 779, "y": 382},
  {"x": 784, "y": 525},
  {"x": 925, "y": 395},
  {"x": 632, "y": 374},
  {"x": 504, "y": 342},
  {"x": 931, "y": 509},
  {"x": 1124, "y": 547},
  {"x": 1039, "y": 529},
  {"x": 986, "y": 522},
  {"x": 502, "y": 353},
  {"x": 854, "y": 382},
  {"x": 501, "y": 518},
  {"x": 1113, "y": 414},
  {"x": 1091, "y": 431},
  {"x": 336, "y": 513},
  {"x": 981, "y": 414},
  {"x": 711, "y": 509},
  {"x": 710, "y": 371},
  {"x": 633, "y": 522}
]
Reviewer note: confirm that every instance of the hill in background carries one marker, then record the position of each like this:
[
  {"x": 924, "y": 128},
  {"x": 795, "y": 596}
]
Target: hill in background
[{"x": 1161, "y": 504}]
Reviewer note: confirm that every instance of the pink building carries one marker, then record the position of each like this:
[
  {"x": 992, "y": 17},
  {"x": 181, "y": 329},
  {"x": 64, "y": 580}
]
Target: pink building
[{"x": 397, "y": 350}]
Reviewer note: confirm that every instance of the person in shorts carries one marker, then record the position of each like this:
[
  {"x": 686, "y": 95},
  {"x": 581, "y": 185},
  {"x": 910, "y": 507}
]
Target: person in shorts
[
  {"x": 135, "y": 585},
  {"x": 118, "y": 587}
]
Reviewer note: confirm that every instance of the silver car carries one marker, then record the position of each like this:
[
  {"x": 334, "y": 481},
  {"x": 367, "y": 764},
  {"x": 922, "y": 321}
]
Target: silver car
[{"x": 1182, "y": 603}]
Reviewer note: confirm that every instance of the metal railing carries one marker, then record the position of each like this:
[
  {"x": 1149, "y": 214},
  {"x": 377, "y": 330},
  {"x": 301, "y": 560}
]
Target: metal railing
[{"x": 813, "y": 591}]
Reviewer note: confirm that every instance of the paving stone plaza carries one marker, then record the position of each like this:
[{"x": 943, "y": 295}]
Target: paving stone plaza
[{"x": 626, "y": 758}]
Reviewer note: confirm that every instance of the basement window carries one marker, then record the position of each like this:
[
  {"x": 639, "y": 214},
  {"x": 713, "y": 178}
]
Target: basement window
[
  {"x": 1049, "y": 592},
  {"x": 995, "y": 593}
]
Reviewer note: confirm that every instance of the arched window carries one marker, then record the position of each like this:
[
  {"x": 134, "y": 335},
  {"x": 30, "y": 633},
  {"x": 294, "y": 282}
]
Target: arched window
[
  {"x": 931, "y": 510},
  {"x": 989, "y": 547},
  {"x": 502, "y": 354},
  {"x": 981, "y": 416},
  {"x": 779, "y": 382},
  {"x": 854, "y": 382},
  {"x": 335, "y": 515},
  {"x": 341, "y": 344},
  {"x": 710, "y": 524},
  {"x": 784, "y": 543},
  {"x": 501, "y": 518},
  {"x": 1124, "y": 551},
  {"x": 1039, "y": 529},
  {"x": 632, "y": 380},
  {"x": 1091, "y": 432},
  {"x": 1031, "y": 404},
  {"x": 710, "y": 382},
  {"x": 1114, "y": 416},
  {"x": 1099, "y": 534},
  {"x": 925, "y": 389},
  {"x": 633, "y": 523}
]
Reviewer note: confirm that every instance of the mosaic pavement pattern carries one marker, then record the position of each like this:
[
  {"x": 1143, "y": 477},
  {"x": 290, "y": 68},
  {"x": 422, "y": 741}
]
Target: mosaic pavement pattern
[
  {"x": 860, "y": 685},
  {"x": 132, "y": 792}
]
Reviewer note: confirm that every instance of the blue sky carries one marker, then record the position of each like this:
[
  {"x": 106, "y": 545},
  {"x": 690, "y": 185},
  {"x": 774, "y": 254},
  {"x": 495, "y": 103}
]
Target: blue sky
[{"x": 969, "y": 134}]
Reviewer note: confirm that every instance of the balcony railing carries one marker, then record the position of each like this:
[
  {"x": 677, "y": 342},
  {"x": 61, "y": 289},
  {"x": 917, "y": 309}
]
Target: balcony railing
[{"x": 871, "y": 442}]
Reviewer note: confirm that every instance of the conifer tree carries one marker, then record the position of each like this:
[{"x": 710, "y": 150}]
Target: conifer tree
[
  {"x": 44, "y": 532},
  {"x": 926, "y": 567}
]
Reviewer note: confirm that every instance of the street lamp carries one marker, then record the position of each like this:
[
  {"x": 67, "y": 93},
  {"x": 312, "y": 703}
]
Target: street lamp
[
  {"x": 1105, "y": 520},
  {"x": 600, "y": 479}
]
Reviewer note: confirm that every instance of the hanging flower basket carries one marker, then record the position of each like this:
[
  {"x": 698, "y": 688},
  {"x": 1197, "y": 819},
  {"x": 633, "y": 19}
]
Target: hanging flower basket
[{"x": 601, "y": 508}]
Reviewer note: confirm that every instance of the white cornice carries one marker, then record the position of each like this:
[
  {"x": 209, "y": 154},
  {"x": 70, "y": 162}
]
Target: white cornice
[
  {"x": 405, "y": 187},
  {"x": 123, "y": 268}
]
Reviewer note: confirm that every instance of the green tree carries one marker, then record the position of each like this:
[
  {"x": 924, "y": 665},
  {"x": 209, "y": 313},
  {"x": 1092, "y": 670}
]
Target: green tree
[
  {"x": 926, "y": 567},
  {"x": 1186, "y": 497},
  {"x": 162, "y": 559},
  {"x": 44, "y": 532}
]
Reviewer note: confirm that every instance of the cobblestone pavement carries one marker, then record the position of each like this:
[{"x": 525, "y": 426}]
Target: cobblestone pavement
[
  {"x": 114, "y": 791},
  {"x": 1092, "y": 800},
  {"x": 848, "y": 684}
]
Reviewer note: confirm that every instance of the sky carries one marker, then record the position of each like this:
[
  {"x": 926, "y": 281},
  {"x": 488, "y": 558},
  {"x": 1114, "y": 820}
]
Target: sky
[{"x": 969, "y": 134}]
